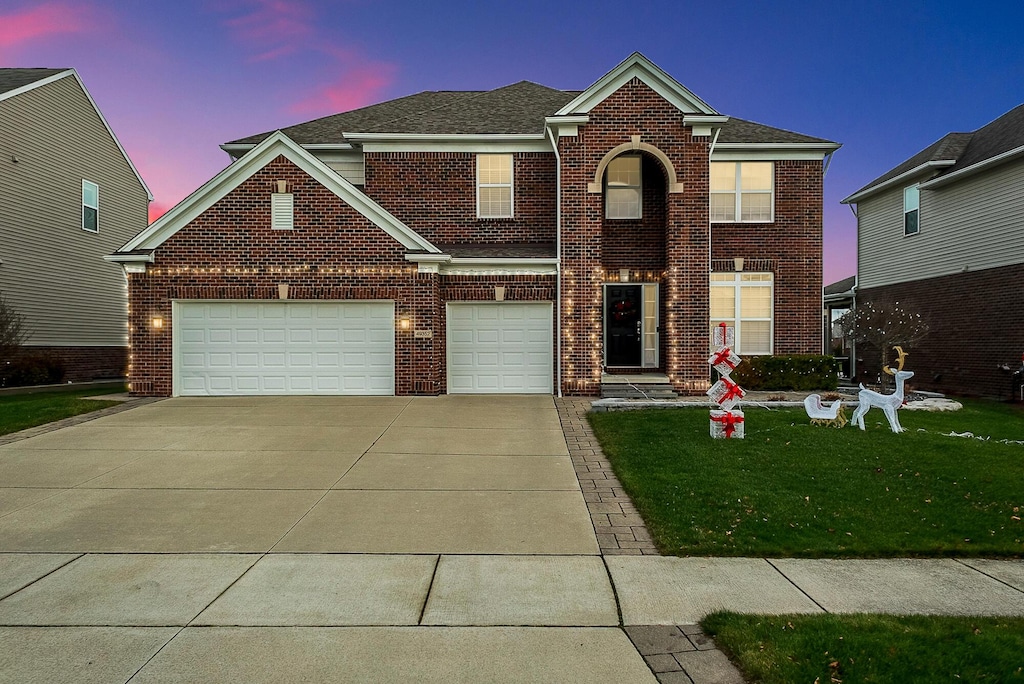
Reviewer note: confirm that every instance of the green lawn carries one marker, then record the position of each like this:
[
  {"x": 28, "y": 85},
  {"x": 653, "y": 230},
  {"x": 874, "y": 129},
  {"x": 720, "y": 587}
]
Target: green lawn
[
  {"x": 20, "y": 411},
  {"x": 871, "y": 648},
  {"x": 790, "y": 489}
]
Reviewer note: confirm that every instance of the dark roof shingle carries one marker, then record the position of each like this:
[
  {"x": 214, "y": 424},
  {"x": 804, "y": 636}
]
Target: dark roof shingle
[{"x": 11, "y": 79}]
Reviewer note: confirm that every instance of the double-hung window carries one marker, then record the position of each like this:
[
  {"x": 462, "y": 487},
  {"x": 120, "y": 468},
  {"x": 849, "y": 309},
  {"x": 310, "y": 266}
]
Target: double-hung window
[
  {"x": 742, "y": 192},
  {"x": 90, "y": 207},
  {"x": 744, "y": 300},
  {"x": 494, "y": 186},
  {"x": 911, "y": 210},
  {"x": 623, "y": 188}
]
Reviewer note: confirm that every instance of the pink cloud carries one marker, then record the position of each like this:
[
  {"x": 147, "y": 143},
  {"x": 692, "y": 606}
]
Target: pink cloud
[
  {"x": 357, "y": 87},
  {"x": 156, "y": 210},
  {"x": 274, "y": 27},
  {"x": 41, "y": 21}
]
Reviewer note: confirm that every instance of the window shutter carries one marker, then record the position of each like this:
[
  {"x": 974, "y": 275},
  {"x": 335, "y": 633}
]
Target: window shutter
[{"x": 282, "y": 211}]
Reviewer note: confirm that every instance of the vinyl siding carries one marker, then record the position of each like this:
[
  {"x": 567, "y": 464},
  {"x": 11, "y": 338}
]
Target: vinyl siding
[
  {"x": 348, "y": 164},
  {"x": 53, "y": 272},
  {"x": 973, "y": 224}
]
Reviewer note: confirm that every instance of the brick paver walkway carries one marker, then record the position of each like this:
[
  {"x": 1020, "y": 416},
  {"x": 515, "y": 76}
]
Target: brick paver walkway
[{"x": 619, "y": 528}]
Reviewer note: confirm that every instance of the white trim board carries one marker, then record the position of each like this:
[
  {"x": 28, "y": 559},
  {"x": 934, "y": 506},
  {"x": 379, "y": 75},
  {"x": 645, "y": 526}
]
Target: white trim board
[{"x": 253, "y": 161}]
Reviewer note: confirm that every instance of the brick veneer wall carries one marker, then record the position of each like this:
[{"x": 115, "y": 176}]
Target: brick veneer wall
[
  {"x": 87, "y": 363},
  {"x": 793, "y": 242},
  {"x": 635, "y": 109},
  {"x": 639, "y": 244},
  {"x": 333, "y": 253},
  {"x": 434, "y": 193},
  {"x": 976, "y": 322}
]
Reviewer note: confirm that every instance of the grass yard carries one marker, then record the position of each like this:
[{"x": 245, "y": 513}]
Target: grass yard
[
  {"x": 790, "y": 489},
  {"x": 21, "y": 411},
  {"x": 871, "y": 648}
]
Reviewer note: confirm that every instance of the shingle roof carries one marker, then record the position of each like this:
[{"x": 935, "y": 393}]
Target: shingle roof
[
  {"x": 840, "y": 286},
  {"x": 965, "y": 149},
  {"x": 530, "y": 250},
  {"x": 11, "y": 79},
  {"x": 519, "y": 108}
]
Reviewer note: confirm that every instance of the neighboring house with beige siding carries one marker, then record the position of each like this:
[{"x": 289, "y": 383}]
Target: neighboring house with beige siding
[
  {"x": 68, "y": 196},
  {"x": 943, "y": 234}
]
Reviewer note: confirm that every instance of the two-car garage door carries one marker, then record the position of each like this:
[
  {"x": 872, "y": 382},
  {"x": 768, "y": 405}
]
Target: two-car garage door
[{"x": 229, "y": 348}]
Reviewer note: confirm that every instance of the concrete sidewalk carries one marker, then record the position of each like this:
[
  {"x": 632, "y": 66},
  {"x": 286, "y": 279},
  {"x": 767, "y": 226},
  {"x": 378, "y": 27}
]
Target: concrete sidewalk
[{"x": 379, "y": 539}]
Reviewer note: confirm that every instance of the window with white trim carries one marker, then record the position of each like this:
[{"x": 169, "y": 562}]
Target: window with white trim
[
  {"x": 911, "y": 210},
  {"x": 742, "y": 192},
  {"x": 494, "y": 185},
  {"x": 623, "y": 192},
  {"x": 744, "y": 300},
  {"x": 90, "y": 206}
]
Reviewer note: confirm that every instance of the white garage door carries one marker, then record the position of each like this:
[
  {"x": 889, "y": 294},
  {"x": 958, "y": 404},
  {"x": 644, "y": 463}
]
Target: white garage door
[
  {"x": 224, "y": 348},
  {"x": 499, "y": 348}
]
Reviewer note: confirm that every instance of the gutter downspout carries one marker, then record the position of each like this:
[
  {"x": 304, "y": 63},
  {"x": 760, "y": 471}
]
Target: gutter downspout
[{"x": 558, "y": 259}]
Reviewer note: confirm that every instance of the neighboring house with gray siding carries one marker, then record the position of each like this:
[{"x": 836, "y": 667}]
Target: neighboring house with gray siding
[
  {"x": 68, "y": 196},
  {"x": 943, "y": 234}
]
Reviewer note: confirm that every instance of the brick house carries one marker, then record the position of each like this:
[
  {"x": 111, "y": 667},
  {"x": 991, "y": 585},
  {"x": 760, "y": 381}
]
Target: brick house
[
  {"x": 943, "y": 235},
  {"x": 523, "y": 239}
]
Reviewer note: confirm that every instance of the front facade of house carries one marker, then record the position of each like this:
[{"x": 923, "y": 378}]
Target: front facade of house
[
  {"x": 943, "y": 235},
  {"x": 69, "y": 196},
  {"x": 523, "y": 239}
]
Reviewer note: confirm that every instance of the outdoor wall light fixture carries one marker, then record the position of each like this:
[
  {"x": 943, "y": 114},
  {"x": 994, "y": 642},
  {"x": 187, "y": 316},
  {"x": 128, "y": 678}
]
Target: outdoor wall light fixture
[
  {"x": 405, "y": 322},
  {"x": 158, "y": 322},
  {"x": 623, "y": 275}
]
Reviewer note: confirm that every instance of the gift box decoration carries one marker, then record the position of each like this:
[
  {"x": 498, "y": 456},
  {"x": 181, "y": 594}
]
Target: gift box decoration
[
  {"x": 723, "y": 335},
  {"x": 724, "y": 360},
  {"x": 727, "y": 424},
  {"x": 726, "y": 393}
]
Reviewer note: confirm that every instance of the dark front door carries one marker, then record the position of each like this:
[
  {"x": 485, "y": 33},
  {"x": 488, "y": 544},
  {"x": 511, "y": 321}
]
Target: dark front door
[{"x": 622, "y": 310}]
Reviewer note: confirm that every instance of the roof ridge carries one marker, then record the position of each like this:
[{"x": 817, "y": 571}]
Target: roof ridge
[{"x": 477, "y": 93}]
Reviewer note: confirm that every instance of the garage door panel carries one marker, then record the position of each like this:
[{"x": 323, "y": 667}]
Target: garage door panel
[
  {"x": 284, "y": 347},
  {"x": 499, "y": 347}
]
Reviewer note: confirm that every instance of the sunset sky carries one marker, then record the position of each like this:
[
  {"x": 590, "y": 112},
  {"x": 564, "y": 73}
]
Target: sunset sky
[{"x": 175, "y": 80}]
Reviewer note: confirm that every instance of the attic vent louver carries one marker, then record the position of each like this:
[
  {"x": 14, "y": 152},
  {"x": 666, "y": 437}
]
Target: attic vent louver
[{"x": 282, "y": 211}]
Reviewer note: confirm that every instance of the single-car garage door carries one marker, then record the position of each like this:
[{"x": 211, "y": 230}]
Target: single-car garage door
[
  {"x": 499, "y": 347},
  {"x": 224, "y": 348}
]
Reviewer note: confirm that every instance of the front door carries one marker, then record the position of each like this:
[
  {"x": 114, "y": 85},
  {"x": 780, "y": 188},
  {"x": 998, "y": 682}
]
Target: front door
[{"x": 623, "y": 316}]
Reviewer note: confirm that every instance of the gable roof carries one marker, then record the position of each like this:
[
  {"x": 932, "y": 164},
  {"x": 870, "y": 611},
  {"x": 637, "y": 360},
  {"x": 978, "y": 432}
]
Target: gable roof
[
  {"x": 517, "y": 109},
  {"x": 140, "y": 247},
  {"x": 15, "y": 79},
  {"x": 956, "y": 154},
  {"x": 14, "y": 82}
]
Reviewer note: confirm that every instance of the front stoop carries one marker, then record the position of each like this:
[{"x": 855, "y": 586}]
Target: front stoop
[
  {"x": 620, "y": 529},
  {"x": 643, "y": 386}
]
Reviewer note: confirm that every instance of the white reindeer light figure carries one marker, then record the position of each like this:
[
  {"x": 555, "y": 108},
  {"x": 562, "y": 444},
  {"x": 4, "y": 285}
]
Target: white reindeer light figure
[{"x": 889, "y": 403}]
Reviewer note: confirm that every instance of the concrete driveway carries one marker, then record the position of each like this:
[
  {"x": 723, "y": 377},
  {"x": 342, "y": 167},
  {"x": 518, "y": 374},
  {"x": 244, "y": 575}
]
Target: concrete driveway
[{"x": 305, "y": 539}]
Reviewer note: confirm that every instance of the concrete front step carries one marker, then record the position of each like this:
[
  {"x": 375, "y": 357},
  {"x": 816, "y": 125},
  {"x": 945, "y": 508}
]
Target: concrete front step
[{"x": 638, "y": 391}]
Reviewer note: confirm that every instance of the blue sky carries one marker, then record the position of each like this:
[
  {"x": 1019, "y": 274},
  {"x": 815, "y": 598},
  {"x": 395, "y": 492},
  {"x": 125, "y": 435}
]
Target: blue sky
[{"x": 177, "y": 79}]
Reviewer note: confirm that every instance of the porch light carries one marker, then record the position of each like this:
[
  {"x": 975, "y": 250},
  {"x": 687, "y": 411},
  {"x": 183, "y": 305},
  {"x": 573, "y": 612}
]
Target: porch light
[
  {"x": 623, "y": 275},
  {"x": 738, "y": 263},
  {"x": 157, "y": 322},
  {"x": 405, "y": 322}
]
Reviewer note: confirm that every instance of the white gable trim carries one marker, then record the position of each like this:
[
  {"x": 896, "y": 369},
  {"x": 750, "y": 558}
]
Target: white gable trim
[
  {"x": 234, "y": 175},
  {"x": 71, "y": 72},
  {"x": 637, "y": 66},
  {"x": 902, "y": 179},
  {"x": 974, "y": 168}
]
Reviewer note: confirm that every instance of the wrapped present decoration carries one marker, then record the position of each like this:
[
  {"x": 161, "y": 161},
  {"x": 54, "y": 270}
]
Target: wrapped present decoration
[
  {"x": 724, "y": 360},
  {"x": 726, "y": 393},
  {"x": 727, "y": 424},
  {"x": 723, "y": 335}
]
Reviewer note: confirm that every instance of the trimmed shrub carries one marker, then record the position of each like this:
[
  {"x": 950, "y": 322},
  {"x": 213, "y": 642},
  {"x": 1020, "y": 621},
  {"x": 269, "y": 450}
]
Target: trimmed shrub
[
  {"x": 32, "y": 369},
  {"x": 798, "y": 372}
]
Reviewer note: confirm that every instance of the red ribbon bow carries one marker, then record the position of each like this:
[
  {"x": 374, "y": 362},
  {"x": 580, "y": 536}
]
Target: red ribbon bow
[
  {"x": 722, "y": 356},
  {"x": 729, "y": 423},
  {"x": 731, "y": 390}
]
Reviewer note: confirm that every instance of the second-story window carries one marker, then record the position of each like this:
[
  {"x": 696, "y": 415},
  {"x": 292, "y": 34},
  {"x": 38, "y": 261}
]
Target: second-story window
[
  {"x": 741, "y": 192},
  {"x": 623, "y": 188},
  {"x": 90, "y": 207},
  {"x": 494, "y": 185},
  {"x": 911, "y": 209}
]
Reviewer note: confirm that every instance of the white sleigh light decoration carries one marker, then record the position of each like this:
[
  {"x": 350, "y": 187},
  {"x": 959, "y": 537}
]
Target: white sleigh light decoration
[{"x": 889, "y": 403}]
